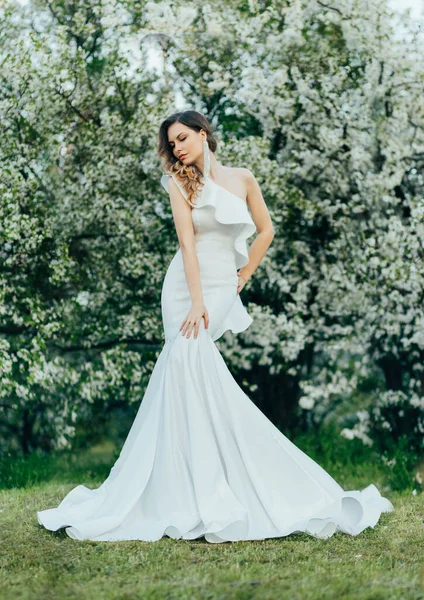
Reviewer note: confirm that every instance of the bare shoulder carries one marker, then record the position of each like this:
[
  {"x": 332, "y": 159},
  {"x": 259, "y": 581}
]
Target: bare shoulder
[
  {"x": 242, "y": 173},
  {"x": 248, "y": 186}
]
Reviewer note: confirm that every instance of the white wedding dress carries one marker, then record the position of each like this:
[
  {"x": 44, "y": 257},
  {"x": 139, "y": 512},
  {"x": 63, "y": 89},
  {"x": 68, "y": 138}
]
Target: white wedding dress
[{"x": 200, "y": 458}]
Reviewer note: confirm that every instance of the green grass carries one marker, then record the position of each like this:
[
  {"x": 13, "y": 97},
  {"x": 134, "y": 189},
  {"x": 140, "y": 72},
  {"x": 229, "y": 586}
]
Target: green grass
[{"x": 382, "y": 563}]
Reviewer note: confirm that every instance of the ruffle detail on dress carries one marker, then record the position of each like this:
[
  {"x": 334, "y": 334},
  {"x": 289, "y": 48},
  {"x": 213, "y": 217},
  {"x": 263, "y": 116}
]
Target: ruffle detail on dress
[
  {"x": 230, "y": 209},
  {"x": 237, "y": 320}
]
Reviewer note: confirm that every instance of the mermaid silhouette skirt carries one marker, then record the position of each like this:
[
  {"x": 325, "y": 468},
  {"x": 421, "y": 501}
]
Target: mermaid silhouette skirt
[{"x": 200, "y": 458}]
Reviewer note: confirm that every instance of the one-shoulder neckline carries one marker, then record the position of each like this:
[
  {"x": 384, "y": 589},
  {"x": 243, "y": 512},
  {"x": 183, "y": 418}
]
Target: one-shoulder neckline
[{"x": 225, "y": 190}]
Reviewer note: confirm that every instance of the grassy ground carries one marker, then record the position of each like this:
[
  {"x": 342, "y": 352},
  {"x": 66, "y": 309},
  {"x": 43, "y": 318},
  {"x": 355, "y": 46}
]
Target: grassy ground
[{"x": 382, "y": 563}]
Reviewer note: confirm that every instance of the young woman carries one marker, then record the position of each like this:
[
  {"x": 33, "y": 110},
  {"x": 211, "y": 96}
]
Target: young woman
[{"x": 200, "y": 458}]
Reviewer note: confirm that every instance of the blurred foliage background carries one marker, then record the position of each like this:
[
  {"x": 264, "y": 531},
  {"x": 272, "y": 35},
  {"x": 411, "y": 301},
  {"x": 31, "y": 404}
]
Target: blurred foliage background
[{"x": 324, "y": 103}]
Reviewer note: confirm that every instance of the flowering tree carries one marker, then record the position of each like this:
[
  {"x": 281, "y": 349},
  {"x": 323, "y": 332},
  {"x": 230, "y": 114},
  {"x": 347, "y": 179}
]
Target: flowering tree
[
  {"x": 84, "y": 236},
  {"x": 322, "y": 102}
]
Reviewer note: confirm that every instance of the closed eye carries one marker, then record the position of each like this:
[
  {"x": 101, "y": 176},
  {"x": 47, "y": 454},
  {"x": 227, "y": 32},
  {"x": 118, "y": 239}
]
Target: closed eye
[{"x": 181, "y": 140}]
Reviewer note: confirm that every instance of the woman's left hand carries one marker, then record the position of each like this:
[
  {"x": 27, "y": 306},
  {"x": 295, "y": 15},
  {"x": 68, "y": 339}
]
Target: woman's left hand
[{"x": 241, "y": 283}]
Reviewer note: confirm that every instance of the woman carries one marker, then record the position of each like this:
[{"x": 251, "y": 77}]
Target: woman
[{"x": 201, "y": 459}]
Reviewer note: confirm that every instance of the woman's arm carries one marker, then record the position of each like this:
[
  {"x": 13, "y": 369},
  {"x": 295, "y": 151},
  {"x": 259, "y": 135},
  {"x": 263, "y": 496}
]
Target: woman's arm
[
  {"x": 264, "y": 226},
  {"x": 181, "y": 213}
]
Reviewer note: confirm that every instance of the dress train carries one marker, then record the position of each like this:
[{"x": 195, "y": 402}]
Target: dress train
[{"x": 200, "y": 458}]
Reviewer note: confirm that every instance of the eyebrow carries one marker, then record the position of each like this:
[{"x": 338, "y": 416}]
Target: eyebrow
[{"x": 181, "y": 132}]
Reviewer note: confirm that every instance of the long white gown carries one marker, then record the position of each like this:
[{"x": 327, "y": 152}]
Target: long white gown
[{"x": 200, "y": 458}]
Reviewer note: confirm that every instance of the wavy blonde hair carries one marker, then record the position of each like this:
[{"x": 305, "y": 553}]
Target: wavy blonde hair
[{"x": 189, "y": 176}]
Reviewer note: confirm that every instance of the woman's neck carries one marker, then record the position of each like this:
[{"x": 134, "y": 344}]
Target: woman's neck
[{"x": 215, "y": 166}]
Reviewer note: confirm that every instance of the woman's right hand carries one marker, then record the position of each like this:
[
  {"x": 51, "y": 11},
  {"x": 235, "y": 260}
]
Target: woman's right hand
[{"x": 192, "y": 321}]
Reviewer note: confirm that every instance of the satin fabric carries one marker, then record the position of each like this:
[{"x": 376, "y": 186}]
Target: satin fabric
[{"x": 200, "y": 458}]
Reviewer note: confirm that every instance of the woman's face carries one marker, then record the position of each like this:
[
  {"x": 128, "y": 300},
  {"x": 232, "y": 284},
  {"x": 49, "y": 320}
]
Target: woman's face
[{"x": 186, "y": 143}]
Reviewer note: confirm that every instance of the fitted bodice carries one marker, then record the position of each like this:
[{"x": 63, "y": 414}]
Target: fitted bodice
[
  {"x": 222, "y": 216},
  {"x": 207, "y": 228}
]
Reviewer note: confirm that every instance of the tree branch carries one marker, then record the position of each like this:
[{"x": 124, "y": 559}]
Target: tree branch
[
  {"x": 138, "y": 346},
  {"x": 331, "y": 8}
]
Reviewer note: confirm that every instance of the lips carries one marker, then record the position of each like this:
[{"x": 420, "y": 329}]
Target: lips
[{"x": 182, "y": 156}]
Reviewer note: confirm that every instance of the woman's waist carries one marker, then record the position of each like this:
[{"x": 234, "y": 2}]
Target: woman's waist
[
  {"x": 217, "y": 267},
  {"x": 212, "y": 253},
  {"x": 214, "y": 239}
]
